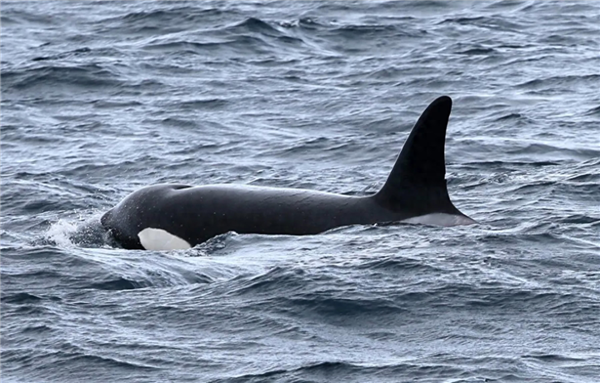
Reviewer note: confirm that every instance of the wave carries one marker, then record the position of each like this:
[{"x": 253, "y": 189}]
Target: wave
[
  {"x": 500, "y": 24},
  {"x": 78, "y": 268},
  {"x": 554, "y": 83},
  {"x": 69, "y": 363},
  {"x": 84, "y": 76},
  {"x": 165, "y": 20}
]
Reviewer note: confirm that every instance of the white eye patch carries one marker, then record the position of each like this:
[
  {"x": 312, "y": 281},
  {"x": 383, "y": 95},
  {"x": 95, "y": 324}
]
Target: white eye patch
[
  {"x": 159, "y": 239},
  {"x": 440, "y": 219}
]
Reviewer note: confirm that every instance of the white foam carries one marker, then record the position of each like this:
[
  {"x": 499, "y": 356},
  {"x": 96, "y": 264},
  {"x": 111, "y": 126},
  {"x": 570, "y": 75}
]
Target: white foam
[
  {"x": 441, "y": 219},
  {"x": 82, "y": 231},
  {"x": 61, "y": 232},
  {"x": 159, "y": 239}
]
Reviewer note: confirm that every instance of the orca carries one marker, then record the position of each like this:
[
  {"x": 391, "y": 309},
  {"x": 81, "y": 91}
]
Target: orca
[{"x": 171, "y": 216}]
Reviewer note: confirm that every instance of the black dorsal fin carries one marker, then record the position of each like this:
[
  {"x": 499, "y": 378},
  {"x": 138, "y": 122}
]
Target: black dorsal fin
[{"x": 417, "y": 183}]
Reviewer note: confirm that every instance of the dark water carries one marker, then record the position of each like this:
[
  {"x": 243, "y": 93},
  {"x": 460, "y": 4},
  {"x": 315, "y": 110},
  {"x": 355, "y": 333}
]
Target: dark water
[{"x": 99, "y": 99}]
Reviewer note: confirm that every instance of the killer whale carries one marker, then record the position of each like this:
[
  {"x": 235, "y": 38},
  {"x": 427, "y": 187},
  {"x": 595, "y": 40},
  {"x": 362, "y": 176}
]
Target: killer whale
[{"x": 170, "y": 216}]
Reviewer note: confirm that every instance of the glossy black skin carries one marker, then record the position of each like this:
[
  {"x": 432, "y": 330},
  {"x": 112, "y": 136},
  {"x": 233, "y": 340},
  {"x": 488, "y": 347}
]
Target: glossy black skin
[
  {"x": 202, "y": 212},
  {"x": 416, "y": 186}
]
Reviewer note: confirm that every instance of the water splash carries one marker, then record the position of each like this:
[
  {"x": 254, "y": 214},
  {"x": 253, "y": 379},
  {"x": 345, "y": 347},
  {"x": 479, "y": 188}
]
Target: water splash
[{"x": 82, "y": 231}]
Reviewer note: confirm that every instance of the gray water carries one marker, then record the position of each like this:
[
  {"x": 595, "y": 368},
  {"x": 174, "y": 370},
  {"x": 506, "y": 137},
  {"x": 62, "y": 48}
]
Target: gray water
[{"x": 102, "y": 98}]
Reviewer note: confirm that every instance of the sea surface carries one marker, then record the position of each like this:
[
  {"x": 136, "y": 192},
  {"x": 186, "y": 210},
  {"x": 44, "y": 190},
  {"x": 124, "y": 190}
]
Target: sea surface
[{"x": 102, "y": 98}]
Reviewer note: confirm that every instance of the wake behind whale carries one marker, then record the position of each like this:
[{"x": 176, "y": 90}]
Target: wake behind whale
[{"x": 163, "y": 217}]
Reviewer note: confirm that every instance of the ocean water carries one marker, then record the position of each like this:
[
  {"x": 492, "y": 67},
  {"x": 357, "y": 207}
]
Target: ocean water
[{"x": 102, "y": 98}]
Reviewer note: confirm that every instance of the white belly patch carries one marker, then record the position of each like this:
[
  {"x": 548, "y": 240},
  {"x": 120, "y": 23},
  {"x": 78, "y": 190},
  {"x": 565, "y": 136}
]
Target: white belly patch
[
  {"x": 159, "y": 239},
  {"x": 441, "y": 219}
]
